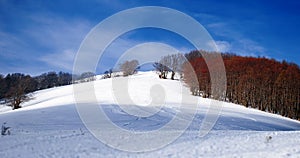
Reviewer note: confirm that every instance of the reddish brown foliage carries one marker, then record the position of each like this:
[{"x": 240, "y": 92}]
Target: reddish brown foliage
[{"x": 260, "y": 83}]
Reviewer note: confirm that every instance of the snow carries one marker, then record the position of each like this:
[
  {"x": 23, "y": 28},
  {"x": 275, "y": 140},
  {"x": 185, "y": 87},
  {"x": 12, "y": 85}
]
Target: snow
[{"x": 49, "y": 124}]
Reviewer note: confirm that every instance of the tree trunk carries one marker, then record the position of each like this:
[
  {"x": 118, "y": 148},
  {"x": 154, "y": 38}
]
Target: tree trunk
[{"x": 173, "y": 74}]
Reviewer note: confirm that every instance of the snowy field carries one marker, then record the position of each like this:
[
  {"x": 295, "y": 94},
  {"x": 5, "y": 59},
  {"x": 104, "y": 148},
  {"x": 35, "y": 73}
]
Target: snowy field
[{"x": 49, "y": 125}]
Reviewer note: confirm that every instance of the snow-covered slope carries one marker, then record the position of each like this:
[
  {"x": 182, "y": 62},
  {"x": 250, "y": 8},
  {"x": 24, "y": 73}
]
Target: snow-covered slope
[{"x": 49, "y": 125}]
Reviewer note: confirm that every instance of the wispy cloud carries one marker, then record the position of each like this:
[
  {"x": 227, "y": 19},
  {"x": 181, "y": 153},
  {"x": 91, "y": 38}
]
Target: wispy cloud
[
  {"x": 236, "y": 42},
  {"x": 10, "y": 46},
  {"x": 223, "y": 46},
  {"x": 59, "y": 38},
  {"x": 248, "y": 47},
  {"x": 63, "y": 60},
  {"x": 230, "y": 39},
  {"x": 56, "y": 32},
  {"x": 50, "y": 40},
  {"x": 244, "y": 47}
]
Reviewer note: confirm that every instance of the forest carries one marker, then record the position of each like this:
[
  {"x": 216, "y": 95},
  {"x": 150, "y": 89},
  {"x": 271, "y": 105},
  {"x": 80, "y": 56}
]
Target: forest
[
  {"x": 256, "y": 82},
  {"x": 15, "y": 87}
]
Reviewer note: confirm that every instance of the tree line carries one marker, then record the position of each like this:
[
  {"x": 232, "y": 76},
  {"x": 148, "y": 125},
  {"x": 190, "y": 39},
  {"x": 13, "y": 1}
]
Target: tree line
[
  {"x": 15, "y": 87},
  {"x": 261, "y": 83},
  {"x": 256, "y": 82}
]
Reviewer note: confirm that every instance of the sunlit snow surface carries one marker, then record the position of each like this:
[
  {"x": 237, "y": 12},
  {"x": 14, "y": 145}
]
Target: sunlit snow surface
[{"x": 49, "y": 125}]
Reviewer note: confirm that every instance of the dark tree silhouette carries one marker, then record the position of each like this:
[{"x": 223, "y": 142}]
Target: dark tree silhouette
[
  {"x": 19, "y": 85},
  {"x": 161, "y": 69},
  {"x": 14, "y": 88}
]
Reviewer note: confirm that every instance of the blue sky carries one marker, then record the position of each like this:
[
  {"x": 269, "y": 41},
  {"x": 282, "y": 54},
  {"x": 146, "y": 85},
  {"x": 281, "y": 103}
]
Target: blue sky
[{"x": 41, "y": 36}]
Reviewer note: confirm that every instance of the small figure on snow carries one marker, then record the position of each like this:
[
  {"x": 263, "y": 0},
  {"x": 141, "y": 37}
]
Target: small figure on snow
[
  {"x": 268, "y": 138},
  {"x": 5, "y": 130}
]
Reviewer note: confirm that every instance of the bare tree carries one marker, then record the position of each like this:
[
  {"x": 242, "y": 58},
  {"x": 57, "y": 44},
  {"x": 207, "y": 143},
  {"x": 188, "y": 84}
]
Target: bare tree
[
  {"x": 170, "y": 63},
  {"x": 17, "y": 92},
  {"x": 129, "y": 67},
  {"x": 161, "y": 69},
  {"x": 177, "y": 61}
]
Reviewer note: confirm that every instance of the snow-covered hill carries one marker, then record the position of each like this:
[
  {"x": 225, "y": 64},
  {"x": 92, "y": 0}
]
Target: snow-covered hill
[{"x": 49, "y": 124}]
